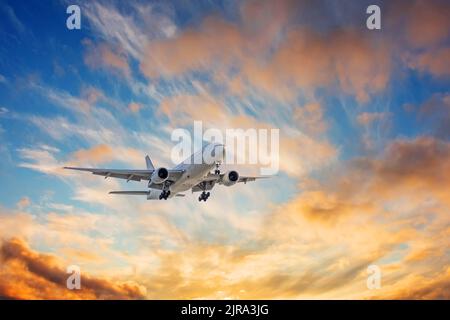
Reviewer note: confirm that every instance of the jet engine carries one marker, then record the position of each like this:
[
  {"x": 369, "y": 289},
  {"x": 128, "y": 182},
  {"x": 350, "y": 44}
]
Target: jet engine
[
  {"x": 159, "y": 175},
  {"x": 230, "y": 178}
]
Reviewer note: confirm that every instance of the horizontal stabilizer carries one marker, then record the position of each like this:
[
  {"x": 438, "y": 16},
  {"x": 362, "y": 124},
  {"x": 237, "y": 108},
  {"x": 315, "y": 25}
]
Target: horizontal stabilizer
[{"x": 139, "y": 193}]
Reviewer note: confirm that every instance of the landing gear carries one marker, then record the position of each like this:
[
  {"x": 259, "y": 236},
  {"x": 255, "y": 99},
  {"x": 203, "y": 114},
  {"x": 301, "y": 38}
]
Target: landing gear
[
  {"x": 164, "y": 194},
  {"x": 217, "y": 171},
  {"x": 204, "y": 196}
]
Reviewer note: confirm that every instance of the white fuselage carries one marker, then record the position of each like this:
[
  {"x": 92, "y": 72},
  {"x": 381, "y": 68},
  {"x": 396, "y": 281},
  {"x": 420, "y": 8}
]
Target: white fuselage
[{"x": 195, "y": 172}]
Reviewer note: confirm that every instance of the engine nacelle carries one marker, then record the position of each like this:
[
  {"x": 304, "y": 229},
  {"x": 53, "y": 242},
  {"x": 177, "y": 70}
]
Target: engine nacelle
[
  {"x": 159, "y": 175},
  {"x": 230, "y": 178}
]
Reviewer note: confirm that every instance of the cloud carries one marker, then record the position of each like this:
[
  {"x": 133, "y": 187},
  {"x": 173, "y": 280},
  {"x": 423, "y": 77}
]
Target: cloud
[
  {"x": 299, "y": 58},
  {"x": 98, "y": 154},
  {"x": 134, "y": 107},
  {"x": 102, "y": 56},
  {"x": 132, "y": 31},
  {"x": 50, "y": 161},
  {"x": 434, "y": 62},
  {"x": 41, "y": 276},
  {"x": 409, "y": 166},
  {"x": 405, "y": 169},
  {"x": 41, "y": 159},
  {"x": 115, "y": 27},
  {"x": 311, "y": 118},
  {"x": 424, "y": 31},
  {"x": 301, "y": 150},
  {"x": 193, "y": 49},
  {"x": 23, "y": 203},
  {"x": 390, "y": 210},
  {"x": 367, "y": 118},
  {"x": 18, "y": 25},
  {"x": 434, "y": 114},
  {"x": 427, "y": 22}
]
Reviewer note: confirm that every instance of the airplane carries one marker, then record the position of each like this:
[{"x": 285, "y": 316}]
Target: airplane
[{"x": 166, "y": 183}]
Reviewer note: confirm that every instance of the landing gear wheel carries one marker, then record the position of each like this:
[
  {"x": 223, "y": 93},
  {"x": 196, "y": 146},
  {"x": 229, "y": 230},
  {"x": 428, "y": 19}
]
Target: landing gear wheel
[
  {"x": 164, "y": 194},
  {"x": 217, "y": 171},
  {"x": 204, "y": 196}
]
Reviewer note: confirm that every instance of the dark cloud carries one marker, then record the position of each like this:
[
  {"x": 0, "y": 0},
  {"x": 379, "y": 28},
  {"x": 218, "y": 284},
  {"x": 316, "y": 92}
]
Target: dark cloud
[{"x": 26, "y": 274}]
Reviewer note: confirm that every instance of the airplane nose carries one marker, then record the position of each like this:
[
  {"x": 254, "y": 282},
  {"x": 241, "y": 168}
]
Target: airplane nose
[{"x": 219, "y": 151}]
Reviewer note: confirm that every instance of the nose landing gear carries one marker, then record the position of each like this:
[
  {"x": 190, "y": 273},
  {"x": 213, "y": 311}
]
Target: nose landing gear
[
  {"x": 217, "y": 171},
  {"x": 204, "y": 196}
]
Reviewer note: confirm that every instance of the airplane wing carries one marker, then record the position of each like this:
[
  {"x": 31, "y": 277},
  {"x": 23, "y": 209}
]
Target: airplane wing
[
  {"x": 137, "y": 193},
  {"x": 210, "y": 180},
  {"x": 135, "y": 175},
  {"x": 246, "y": 179}
]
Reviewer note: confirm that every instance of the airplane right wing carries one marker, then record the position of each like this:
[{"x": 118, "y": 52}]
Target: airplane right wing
[
  {"x": 210, "y": 180},
  {"x": 135, "y": 175}
]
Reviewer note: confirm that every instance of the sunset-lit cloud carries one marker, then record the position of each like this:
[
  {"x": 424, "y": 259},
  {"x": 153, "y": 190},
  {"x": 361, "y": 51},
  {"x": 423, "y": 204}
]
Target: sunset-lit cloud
[{"x": 33, "y": 275}]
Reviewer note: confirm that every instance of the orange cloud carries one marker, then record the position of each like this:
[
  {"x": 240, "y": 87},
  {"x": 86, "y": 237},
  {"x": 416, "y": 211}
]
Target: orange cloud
[
  {"x": 300, "y": 153},
  {"x": 427, "y": 22},
  {"x": 435, "y": 62},
  {"x": 391, "y": 210},
  {"x": 104, "y": 56},
  {"x": 409, "y": 166},
  {"x": 97, "y": 154},
  {"x": 423, "y": 33},
  {"x": 311, "y": 118},
  {"x": 23, "y": 203},
  {"x": 134, "y": 107},
  {"x": 300, "y": 58},
  {"x": 408, "y": 169},
  {"x": 194, "y": 49},
  {"x": 366, "y": 118},
  {"x": 26, "y": 274}
]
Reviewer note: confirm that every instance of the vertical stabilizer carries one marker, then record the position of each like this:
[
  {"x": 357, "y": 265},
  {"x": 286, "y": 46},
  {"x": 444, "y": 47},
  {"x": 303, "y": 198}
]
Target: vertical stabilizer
[{"x": 149, "y": 163}]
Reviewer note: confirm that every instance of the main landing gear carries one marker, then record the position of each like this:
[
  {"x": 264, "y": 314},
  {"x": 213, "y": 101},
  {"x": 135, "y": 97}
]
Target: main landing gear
[
  {"x": 164, "y": 194},
  {"x": 204, "y": 196}
]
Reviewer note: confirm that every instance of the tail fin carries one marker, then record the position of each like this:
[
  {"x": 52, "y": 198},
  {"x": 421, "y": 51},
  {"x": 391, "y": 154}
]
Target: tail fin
[{"x": 149, "y": 163}]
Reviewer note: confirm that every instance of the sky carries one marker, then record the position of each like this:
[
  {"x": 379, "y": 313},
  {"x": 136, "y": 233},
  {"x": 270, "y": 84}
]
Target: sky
[{"x": 364, "y": 126}]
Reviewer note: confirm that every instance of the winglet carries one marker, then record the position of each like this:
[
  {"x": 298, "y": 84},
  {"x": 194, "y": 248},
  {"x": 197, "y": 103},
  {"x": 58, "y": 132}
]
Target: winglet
[{"x": 149, "y": 163}]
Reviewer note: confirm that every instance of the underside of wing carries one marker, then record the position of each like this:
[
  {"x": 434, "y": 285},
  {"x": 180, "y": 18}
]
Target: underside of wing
[
  {"x": 137, "y": 193},
  {"x": 210, "y": 180},
  {"x": 135, "y": 175},
  {"x": 245, "y": 179}
]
